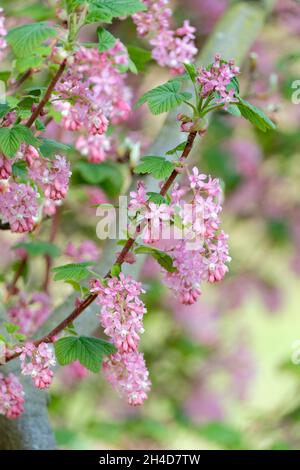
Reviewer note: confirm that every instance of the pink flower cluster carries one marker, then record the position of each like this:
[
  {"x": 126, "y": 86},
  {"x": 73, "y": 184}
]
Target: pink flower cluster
[
  {"x": 3, "y": 33},
  {"x": 122, "y": 319},
  {"x": 5, "y": 168},
  {"x": 30, "y": 312},
  {"x": 216, "y": 79},
  {"x": 19, "y": 206},
  {"x": 36, "y": 362},
  {"x": 171, "y": 48},
  {"x": 51, "y": 175},
  {"x": 128, "y": 374},
  {"x": 95, "y": 83},
  {"x": 122, "y": 311},
  {"x": 202, "y": 253},
  {"x": 11, "y": 396}
]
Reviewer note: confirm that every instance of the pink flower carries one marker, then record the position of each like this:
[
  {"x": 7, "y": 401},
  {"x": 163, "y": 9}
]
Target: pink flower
[
  {"x": 3, "y": 33},
  {"x": 94, "y": 147},
  {"x": 87, "y": 251},
  {"x": 30, "y": 312},
  {"x": 196, "y": 179},
  {"x": 19, "y": 207},
  {"x": 11, "y": 396},
  {"x": 128, "y": 374},
  {"x": 36, "y": 362},
  {"x": 217, "y": 79},
  {"x": 122, "y": 311},
  {"x": 5, "y": 168},
  {"x": 52, "y": 176}
]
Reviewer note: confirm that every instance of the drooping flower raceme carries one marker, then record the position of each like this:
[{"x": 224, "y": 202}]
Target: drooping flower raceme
[
  {"x": 122, "y": 311},
  {"x": 51, "y": 175},
  {"x": 30, "y": 312},
  {"x": 37, "y": 362},
  {"x": 19, "y": 207},
  {"x": 171, "y": 48},
  {"x": 128, "y": 374},
  {"x": 11, "y": 396}
]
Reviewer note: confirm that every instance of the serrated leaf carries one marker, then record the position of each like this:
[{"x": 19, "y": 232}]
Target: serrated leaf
[
  {"x": 39, "y": 247},
  {"x": 49, "y": 147},
  {"x": 159, "y": 167},
  {"x": 156, "y": 198},
  {"x": 4, "y": 109},
  {"x": 12, "y": 137},
  {"x": 161, "y": 257},
  {"x": 72, "y": 271},
  {"x": 30, "y": 62},
  {"x": 164, "y": 97},
  {"x": 87, "y": 350},
  {"x": 105, "y": 10},
  {"x": 179, "y": 148},
  {"x": 106, "y": 40},
  {"x": 27, "y": 38},
  {"x": 11, "y": 328},
  {"x": 255, "y": 115}
]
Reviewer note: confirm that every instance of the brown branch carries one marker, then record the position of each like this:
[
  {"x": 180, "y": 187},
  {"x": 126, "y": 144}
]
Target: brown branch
[
  {"x": 12, "y": 287},
  {"x": 50, "y": 337},
  {"x": 47, "y": 95}
]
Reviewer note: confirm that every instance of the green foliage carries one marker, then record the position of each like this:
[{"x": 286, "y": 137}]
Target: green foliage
[
  {"x": 191, "y": 71},
  {"x": 179, "y": 148},
  {"x": 139, "y": 56},
  {"x": 106, "y": 10},
  {"x": 156, "y": 198},
  {"x": 72, "y": 271},
  {"x": 158, "y": 167},
  {"x": 223, "y": 434},
  {"x": 27, "y": 38},
  {"x": 115, "y": 270},
  {"x": 161, "y": 257},
  {"x": 106, "y": 40},
  {"x": 106, "y": 174},
  {"x": 89, "y": 351},
  {"x": 49, "y": 147},
  {"x": 255, "y": 115},
  {"x": 12, "y": 137},
  {"x": 19, "y": 169},
  {"x": 4, "y": 109},
  {"x": 39, "y": 248},
  {"x": 164, "y": 97}
]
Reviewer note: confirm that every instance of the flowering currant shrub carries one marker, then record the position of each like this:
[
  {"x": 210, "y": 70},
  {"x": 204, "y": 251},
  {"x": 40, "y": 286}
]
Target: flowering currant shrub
[{"x": 63, "y": 137}]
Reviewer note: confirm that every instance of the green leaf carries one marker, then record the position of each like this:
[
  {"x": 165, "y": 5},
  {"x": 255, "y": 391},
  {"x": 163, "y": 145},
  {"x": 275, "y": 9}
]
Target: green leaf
[
  {"x": 159, "y": 167},
  {"x": 234, "y": 110},
  {"x": 30, "y": 62},
  {"x": 11, "y": 328},
  {"x": 12, "y": 137},
  {"x": 255, "y": 115},
  {"x": 39, "y": 125},
  {"x": 156, "y": 198},
  {"x": 27, "y": 38},
  {"x": 106, "y": 174},
  {"x": 161, "y": 257},
  {"x": 49, "y": 147},
  {"x": 164, "y": 97},
  {"x": 87, "y": 350},
  {"x": 106, "y": 40},
  {"x": 191, "y": 71},
  {"x": 139, "y": 56},
  {"x": 20, "y": 336},
  {"x": 115, "y": 270},
  {"x": 179, "y": 148},
  {"x": 72, "y": 271},
  {"x": 105, "y": 10},
  {"x": 4, "y": 108},
  {"x": 39, "y": 247},
  {"x": 19, "y": 169}
]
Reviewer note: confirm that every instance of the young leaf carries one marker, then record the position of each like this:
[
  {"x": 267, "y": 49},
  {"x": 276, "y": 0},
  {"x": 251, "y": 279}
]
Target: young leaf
[
  {"x": 164, "y": 97},
  {"x": 191, "y": 71},
  {"x": 72, "y": 271},
  {"x": 87, "y": 350},
  {"x": 161, "y": 257},
  {"x": 39, "y": 247},
  {"x": 11, "y": 328},
  {"x": 12, "y": 137},
  {"x": 179, "y": 148},
  {"x": 234, "y": 110},
  {"x": 255, "y": 115},
  {"x": 156, "y": 198},
  {"x": 27, "y": 38},
  {"x": 159, "y": 167},
  {"x": 105, "y": 40},
  {"x": 115, "y": 270}
]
